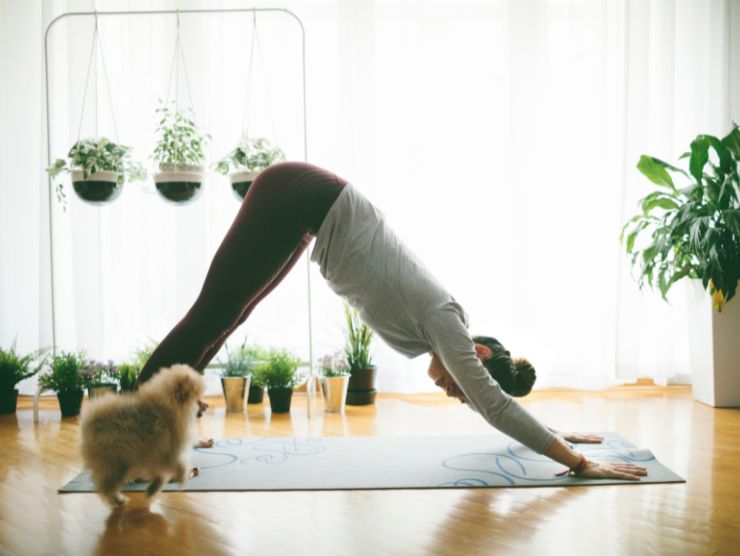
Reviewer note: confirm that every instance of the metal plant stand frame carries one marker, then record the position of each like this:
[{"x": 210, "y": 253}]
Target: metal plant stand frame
[{"x": 311, "y": 384}]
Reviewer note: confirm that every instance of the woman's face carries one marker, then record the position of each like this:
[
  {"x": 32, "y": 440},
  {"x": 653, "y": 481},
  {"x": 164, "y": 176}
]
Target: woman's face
[{"x": 442, "y": 378}]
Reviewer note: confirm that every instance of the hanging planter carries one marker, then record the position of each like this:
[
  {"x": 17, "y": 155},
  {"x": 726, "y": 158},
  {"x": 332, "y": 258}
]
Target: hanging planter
[
  {"x": 180, "y": 154},
  {"x": 246, "y": 161},
  {"x": 98, "y": 168}
]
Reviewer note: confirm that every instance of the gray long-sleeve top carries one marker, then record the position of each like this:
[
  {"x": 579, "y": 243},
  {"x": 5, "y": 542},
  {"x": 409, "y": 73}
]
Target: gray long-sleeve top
[{"x": 364, "y": 261}]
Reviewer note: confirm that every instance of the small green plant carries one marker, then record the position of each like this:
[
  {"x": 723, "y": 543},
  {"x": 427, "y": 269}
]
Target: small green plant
[
  {"x": 64, "y": 372},
  {"x": 334, "y": 365},
  {"x": 357, "y": 341},
  {"x": 279, "y": 370},
  {"x": 251, "y": 155},
  {"x": 97, "y": 155},
  {"x": 15, "y": 367},
  {"x": 128, "y": 374},
  {"x": 144, "y": 352},
  {"x": 694, "y": 231},
  {"x": 242, "y": 361},
  {"x": 95, "y": 373},
  {"x": 181, "y": 143}
]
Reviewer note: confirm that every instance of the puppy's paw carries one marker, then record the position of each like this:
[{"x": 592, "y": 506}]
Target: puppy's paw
[
  {"x": 202, "y": 406},
  {"x": 204, "y": 443}
]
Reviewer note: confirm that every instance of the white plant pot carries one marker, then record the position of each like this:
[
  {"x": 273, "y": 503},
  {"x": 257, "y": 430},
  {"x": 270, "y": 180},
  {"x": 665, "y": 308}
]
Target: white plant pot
[{"x": 714, "y": 348}]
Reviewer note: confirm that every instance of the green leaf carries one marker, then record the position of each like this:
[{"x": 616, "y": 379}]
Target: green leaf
[
  {"x": 699, "y": 156},
  {"x": 656, "y": 171}
]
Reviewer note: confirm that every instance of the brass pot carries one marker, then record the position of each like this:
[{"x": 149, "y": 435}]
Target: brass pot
[
  {"x": 334, "y": 390},
  {"x": 234, "y": 388}
]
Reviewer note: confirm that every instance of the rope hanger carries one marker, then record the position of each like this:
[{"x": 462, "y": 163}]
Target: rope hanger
[
  {"x": 97, "y": 45},
  {"x": 246, "y": 112}
]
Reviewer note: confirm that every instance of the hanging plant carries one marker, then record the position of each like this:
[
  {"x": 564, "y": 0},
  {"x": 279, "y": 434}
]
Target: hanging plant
[
  {"x": 246, "y": 161},
  {"x": 179, "y": 153},
  {"x": 98, "y": 168}
]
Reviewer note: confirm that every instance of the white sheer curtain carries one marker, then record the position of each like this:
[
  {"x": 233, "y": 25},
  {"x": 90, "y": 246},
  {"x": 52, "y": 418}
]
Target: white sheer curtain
[{"x": 499, "y": 137}]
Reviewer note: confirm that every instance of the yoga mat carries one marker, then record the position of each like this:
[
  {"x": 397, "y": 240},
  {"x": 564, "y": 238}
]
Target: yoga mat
[{"x": 338, "y": 463}]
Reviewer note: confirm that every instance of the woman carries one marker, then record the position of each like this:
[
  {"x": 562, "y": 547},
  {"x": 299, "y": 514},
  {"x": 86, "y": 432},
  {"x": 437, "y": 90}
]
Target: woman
[{"x": 365, "y": 262}]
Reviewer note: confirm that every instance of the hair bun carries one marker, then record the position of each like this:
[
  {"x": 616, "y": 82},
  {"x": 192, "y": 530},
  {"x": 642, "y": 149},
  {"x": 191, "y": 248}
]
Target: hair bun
[{"x": 524, "y": 377}]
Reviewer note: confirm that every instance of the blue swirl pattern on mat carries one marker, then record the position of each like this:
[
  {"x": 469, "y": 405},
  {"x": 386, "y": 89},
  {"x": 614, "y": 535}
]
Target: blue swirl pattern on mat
[
  {"x": 611, "y": 450},
  {"x": 267, "y": 450}
]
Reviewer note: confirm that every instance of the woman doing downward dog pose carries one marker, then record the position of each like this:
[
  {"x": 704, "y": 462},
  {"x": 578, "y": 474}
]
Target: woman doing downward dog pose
[{"x": 366, "y": 263}]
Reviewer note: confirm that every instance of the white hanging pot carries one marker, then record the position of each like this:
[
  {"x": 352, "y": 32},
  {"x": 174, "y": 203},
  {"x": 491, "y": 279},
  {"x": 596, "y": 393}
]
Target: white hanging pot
[
  {"x": 240, "y": 181},
  {"x": 98, "y": 188},
  {"x": 179, "y": 184}
]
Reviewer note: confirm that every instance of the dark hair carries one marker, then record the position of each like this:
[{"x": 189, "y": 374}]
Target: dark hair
[{"x": 516, "y": 377}]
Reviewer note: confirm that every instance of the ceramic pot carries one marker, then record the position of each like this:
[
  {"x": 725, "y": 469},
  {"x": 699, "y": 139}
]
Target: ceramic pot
[
  {"x": 179, "y": 185},
  {"x": 280, "y": 399},
  {"x": 8, "y": 401},
  {"x": 240, "y": 182},
  {"x": 256, "y": 394},
  {"x": 98, "y": 188},
  {"x": 70, "y": 402},
  {"x": 101, "y": 390}
]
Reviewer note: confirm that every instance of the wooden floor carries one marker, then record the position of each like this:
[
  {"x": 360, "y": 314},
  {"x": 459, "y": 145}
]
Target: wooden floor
[{"x": 699, "y": 517}]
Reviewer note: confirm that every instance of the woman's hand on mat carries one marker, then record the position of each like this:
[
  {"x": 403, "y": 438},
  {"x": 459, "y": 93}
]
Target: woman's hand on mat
[
  {"x": 578, "y": 437},
  {"x": 581, "y": 437},
  {"x": 608, "y": 470}
]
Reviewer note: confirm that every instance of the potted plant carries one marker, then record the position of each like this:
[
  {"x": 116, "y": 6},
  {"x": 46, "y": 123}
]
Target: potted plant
[
  {"x": 64, "y": 378},
  {"x": 128, "y": 374},
  {"x": 98, "y": 168},
  {"x": 179, "y": 153},
  {"x": 246, "y": 161},
  {"x": 279, "y": 373},
  {"x": 334, "y": 380},
  {"x": 13, "y": 369},
  {"x": 694, "y": 232},
  {"x": 99, "y": 378},
  {"x": 358, "y": 337},
  {"x": 236, "y": 375}
]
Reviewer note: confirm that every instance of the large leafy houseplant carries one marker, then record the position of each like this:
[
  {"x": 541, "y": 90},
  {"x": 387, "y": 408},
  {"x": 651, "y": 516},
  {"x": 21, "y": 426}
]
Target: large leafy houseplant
[
  {"x": 246, "y": 161},
  {"x": 179, "y": 152},
  {"x": 13, "y": 369},
  {"x": 98, "y": 167},
  {"x": 693, "y": 230}
]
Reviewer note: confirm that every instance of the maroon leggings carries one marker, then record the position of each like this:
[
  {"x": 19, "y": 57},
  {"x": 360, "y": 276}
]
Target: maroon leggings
[{"x": 281, "y": 213}]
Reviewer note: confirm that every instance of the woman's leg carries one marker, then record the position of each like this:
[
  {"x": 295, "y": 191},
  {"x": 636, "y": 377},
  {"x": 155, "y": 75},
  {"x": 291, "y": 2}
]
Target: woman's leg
[
  {"x": 284, "y": 204},
  {"x": 214, "y": 349}
]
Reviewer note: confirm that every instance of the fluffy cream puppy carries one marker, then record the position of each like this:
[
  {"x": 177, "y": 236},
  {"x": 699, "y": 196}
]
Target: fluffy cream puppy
[{"x": 145, "y": 434}]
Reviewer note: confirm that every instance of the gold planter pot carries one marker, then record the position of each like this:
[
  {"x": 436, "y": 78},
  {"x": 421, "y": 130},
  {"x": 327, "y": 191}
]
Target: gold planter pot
[
  {"x": 334, "y": 390},
  {"x": 234, "y": 388}
]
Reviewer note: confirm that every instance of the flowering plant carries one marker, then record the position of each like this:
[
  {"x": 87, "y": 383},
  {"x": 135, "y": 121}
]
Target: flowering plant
[
  {"x": 334, "y": 365},
  {"x": 96, "y": 373}
]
